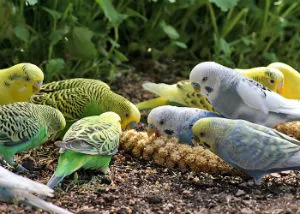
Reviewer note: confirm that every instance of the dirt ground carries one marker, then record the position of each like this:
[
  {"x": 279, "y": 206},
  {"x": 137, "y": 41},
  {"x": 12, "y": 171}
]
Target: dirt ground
[{"x": 142, "y": 187}]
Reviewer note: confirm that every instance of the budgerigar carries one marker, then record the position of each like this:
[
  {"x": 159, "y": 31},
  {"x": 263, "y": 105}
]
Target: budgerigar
[
  {"x": 291, "y": 88},
  {"x": 19, "y": 82},
  {"x": 175, "y": 121},
  {"x": 24, "y": 126},
  {"x": 182, "y": 93},
  {"x": 78, "y": 98},
  {"x": 238, "y": 97},
  {"x": 272, "y": 78},
  {"x": 253, "y": 148},
  {"x": 179, "y": 94},
  {"x": 17, "y": 188},
  {"x": 89, "y": 144}
]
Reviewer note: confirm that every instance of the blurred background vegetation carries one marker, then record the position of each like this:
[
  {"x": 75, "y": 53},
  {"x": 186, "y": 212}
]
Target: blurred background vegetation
[{"x": 101, "y": 38}]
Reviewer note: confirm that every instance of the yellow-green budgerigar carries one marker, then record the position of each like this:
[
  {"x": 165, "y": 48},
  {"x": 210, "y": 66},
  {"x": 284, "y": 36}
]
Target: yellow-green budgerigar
[
  {"x": 25, "y": 126},
  {"x": 272, "y": 78},
  {"x": 253, "y": 148},
  {"x": 179, "y": 94},
  {"x": 89, "y": 144},
  {"x": 78, "y": 98},
  {"x": 19, "y": 82},
  {"x": 291, "y": 88}
]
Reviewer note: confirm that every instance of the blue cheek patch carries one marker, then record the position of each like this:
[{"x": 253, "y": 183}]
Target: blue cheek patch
[{"x": 209, "y": 89}]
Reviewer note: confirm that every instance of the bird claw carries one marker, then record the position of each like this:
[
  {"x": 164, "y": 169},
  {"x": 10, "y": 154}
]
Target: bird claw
[{"x": 21, "y": 169}]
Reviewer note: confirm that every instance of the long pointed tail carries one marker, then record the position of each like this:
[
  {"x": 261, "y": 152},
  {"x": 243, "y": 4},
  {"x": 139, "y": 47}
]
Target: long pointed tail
[
  {"x": 54, "y": 180},
  {"x": 40, "y": 203},
  {"x": 153, "y": 103}
]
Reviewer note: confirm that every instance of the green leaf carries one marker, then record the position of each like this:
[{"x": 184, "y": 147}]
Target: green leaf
[
  {"x": 110, "y": 12},
  {"x": 54, "y": 66},
  {"x": 225, "y": 5},
  {"x": 55, "y": 15},
  {"x": 169, "y": 30},
  {"x": 21, "y": 32},
  {"x": 225, "y": 47},
  {"x": 56, "y": 36},
  {"x": 180, "y": 44},
  {"x": 31, "y": 2},
  {"x": 79, "y": 44},
  {"x": 120, "y": 56}
]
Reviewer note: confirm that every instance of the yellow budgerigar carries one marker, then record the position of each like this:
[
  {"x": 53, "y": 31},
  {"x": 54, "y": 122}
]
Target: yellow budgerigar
[
  {"x": 272, "y": 78},
  {"x": 19, "y": 82},
  {"x": 178, "y": 94},
  {"x": 291, "y": 88}
]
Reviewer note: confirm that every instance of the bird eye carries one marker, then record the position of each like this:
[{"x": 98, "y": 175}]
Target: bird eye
[
  {"x": 126, "y": 115},
  {"x": 201, "y": 134},
  {"x": 272, "y": 81},
  {"x": 161, "y": 122},
  {"x": 204, "y": 79}
]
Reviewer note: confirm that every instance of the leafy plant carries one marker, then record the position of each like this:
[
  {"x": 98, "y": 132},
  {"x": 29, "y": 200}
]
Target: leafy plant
[{"x": 95, "y": 38}]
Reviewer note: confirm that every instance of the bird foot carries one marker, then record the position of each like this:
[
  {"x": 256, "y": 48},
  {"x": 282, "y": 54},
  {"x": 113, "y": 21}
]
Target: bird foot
[{"x": 21, "y": 169}]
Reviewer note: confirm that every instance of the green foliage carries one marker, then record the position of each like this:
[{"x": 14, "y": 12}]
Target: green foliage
[{"x": 94, "y": 38}]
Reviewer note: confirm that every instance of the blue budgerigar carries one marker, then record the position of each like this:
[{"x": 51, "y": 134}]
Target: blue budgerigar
[
  {"x": 237, "y": 97},
  {"x": 176, "y": 121},
  {"x": 253, "y": 148}
]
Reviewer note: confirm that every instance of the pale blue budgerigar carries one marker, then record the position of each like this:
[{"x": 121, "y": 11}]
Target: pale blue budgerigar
[
  {"x": 175, "y": 121},
  {"x": 17, "y": 188},
  {"x": 253, "y": 148},
  {"x": 237, "y": 97}
]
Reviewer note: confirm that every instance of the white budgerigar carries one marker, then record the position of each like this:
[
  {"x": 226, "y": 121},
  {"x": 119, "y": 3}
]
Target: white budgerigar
[
  {"x": 176, "y": 121},
  {"x": 238, "y": 97},
  {"x": 17, "y": 188}
]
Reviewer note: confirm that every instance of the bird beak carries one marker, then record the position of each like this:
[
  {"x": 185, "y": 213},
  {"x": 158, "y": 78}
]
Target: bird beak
[
  {"x": 37, "y": 86},
  {"x": 280, "y": 87},
  {"x": 196, "y": 87},
  {"x": 195, "y": 140},
  {"x": 130, "y": 125},
  {"x": 152, "y": 130}
]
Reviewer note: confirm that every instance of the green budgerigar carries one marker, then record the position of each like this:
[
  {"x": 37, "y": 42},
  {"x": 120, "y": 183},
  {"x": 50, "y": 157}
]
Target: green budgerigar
[
  {"x": 89, "y": 144},
  {"x": 253, "y": 148},
  {"x": 78, "y": 98},
  {"x": 25, "y": 126}
]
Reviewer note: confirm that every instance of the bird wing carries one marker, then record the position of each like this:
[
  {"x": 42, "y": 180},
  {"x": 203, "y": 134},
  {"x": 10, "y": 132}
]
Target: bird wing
[
  {"x": 73, "y": 103},
  {"x": 260, "y": 98},
  {"x": 19, "y": 188},
  {"x": 253, "y": 94},
  {"x": 18, "y": 129},
  {"x": 96, "y": 139},
  {"x": 70, "y": 83},
  {"x": 261, "y": 153}
]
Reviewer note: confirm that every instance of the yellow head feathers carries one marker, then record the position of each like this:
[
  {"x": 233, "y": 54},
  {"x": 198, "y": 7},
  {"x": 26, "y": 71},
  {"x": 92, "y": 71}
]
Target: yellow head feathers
[{"x": 19, "y": 82}]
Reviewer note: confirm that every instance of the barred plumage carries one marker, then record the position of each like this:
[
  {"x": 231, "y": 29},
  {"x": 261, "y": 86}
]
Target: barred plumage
[
  {"x": 25, "y": 125},
  {"x": 89, "y": 143},
  {"x": 77, "y": 98}
]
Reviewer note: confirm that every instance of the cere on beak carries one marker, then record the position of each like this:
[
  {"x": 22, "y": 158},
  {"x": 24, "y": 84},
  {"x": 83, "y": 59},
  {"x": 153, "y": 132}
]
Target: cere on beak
[
  {"x": 151, "y": 129},
  {"x": 131, "y": 125},
  {"x": 37, "y": 86},
  {"x": 196, "y": 86},
  {"x": 195, "y": 140},
  {"x": 280, "y": 87}
]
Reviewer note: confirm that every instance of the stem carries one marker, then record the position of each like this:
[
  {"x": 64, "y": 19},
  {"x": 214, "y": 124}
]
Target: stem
[{"x": 213, "y": 19}]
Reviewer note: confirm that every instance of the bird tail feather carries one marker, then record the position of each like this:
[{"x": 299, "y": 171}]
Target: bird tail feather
[
  {"x": 153, "y": 103},
  {"x": 36, "y": 201},
  {"x": 54, "y": 180}
]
